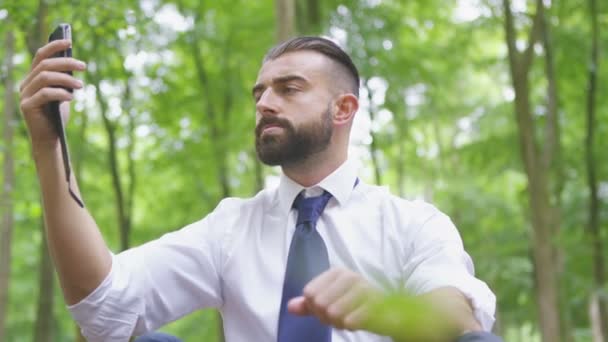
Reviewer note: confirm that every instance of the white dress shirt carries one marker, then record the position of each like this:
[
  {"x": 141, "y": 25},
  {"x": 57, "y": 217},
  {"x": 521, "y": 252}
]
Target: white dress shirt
[{"x": 234, "y": 260}]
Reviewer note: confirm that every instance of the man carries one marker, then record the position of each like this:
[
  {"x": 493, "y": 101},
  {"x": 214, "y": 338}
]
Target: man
[{"x": 301, "y": 262}]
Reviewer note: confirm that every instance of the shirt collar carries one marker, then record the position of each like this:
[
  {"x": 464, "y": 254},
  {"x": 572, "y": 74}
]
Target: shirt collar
[{"x": 339, "y": 184}]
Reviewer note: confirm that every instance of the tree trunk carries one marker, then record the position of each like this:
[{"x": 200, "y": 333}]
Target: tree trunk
[
  {"x": 124, "y": 221},
  {"x": 551, "y": 163},
  {"x": 6, "y": 207},
  {"x": 285, "y": 14},
  {"x": 374, "y": 150},
  {"x": 37, "y": 37},
  {"x": 308, "y": 20},
  {"x": 123, "y": 198},
  {"x": 313, "y": 10},
  {"x": 401, "y": 126},
  {"x": 127, "y": 105},
  {"x": 44, "y": 313},
  {"x": 599, "y": 278},
  {"x": 43, "y": 330},
  {"x": 400, "y": 168},
  {"x": 594, "y": 318},
  {"x": 217, "y": 132},
  {"x": 541, "y": 210}
]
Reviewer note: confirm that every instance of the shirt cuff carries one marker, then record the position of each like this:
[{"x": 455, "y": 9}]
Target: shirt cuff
[
  {"x": 483, "y": 304},
  {"x": 80, "y": 309},
  {"x": 483, "y": 301},
  {"x": 97, "y": 316}
]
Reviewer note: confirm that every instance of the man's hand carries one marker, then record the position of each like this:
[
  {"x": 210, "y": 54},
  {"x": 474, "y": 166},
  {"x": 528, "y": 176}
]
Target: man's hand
[
  {"x": 41, "y": 86},
  {"x": 345, "y": 300},
  {"x": 338, "y": 297}
]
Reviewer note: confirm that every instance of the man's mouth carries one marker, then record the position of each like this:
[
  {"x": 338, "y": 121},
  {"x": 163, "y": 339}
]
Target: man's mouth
[{"x": 271, "y": 127}]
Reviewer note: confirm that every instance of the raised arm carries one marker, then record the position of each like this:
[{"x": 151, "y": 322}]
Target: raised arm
[{"x": 76, "y": 246}]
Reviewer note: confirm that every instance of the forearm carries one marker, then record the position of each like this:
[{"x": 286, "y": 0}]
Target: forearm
[
  {"x": 77, "y": 248},
  {"x": 441, "y": 315}
]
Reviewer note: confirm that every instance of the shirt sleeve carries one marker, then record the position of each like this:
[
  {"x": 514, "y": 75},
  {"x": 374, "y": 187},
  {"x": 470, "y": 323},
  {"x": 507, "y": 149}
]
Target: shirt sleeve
[
  {"x": 437, "y": 259},
  {"x": 155, "y": 283}
]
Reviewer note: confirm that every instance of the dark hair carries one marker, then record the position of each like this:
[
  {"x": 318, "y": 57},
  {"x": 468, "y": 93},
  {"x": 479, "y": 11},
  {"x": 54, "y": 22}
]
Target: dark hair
[{"x": 323, "y": 46}]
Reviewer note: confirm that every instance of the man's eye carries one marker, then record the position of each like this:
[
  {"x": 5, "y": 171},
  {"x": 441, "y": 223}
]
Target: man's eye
[{"x": 290, "y": 90}]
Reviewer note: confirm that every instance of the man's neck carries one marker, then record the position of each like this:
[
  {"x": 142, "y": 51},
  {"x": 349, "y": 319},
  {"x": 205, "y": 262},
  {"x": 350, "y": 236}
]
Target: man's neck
[{"x": 314, "y": 169}]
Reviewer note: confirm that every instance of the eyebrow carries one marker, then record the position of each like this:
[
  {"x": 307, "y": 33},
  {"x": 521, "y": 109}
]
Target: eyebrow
[{"x": 281, "y": 79}]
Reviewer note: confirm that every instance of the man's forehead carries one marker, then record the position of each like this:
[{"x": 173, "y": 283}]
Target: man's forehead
[{"x": 309, "y": 64}]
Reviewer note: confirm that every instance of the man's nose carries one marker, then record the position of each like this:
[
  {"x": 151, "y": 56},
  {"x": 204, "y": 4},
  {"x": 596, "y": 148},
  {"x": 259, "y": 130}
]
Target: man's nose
[{"x": 267, "y": 104}]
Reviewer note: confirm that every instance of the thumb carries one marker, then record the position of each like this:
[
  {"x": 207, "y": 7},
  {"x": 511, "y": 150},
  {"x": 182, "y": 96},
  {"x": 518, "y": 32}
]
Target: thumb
[{"x": 297, "y": 306}]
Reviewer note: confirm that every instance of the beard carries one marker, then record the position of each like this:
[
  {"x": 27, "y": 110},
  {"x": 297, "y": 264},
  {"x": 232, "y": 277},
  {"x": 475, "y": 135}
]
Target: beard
[{"x": 293, "y": 144}]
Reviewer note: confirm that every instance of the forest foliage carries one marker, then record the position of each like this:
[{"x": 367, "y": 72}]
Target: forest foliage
[{"x": 495, "y": 111}]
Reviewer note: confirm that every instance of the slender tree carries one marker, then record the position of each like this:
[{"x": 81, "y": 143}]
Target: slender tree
[
  {"x": 123, "y": 194},
  {"x": 43, "y": 327},
  {"x": 551, "y": 161},
  {"x": 123, "y": 205},
  {"x": 374, "y": 149},
  {"x": 44, "y": 321},
  {"x": 8, "y": 184},
  {"x": 285, "y": 14},
  {"x": 600, "y": 319},
  {"x": 537, "y": 161}
]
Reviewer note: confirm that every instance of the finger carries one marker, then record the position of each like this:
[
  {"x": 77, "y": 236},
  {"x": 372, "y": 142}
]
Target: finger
[
  {"x": 358, "y": 295},
  {"x": 44, "y": 96},
  {"x": 297, "y": 306},
  {"x": 49, "y": 50},
  {"x": 323, "y": 302},
  {"x": 315, "y": 288},
  {"x": 321, "y": 282},
  {"x": 355, "y": 297},
  {"x": 356, "y": 319},
  {"x": 50, "y": 79},
  {"x": 63, "y": 64},
  {"x": 331, "y": 291}
]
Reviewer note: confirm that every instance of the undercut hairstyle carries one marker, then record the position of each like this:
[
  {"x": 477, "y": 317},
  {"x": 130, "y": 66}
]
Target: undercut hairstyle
[{"x": 325, "y": 47}]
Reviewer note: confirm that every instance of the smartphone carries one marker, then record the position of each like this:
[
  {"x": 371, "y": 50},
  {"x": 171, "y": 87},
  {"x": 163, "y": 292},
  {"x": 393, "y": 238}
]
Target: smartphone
[{"x": 63, "y": 31}]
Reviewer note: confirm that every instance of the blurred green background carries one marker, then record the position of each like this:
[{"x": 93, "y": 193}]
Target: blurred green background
[{"x": 495, "y": 111}]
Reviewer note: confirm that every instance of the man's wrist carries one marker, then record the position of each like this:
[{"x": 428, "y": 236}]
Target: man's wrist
[
  {"x": 411, "y": 318},
  {"x": 43, "y": 153}
]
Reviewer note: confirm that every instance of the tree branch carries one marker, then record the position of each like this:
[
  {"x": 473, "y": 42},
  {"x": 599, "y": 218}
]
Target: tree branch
[
  {"x": 552, "y": 145},
  {"x": 533, "y": 36}
]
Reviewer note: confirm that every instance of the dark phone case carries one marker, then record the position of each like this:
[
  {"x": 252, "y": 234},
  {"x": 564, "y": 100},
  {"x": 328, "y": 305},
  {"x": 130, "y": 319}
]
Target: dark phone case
[{"x": 62, "y": 31}]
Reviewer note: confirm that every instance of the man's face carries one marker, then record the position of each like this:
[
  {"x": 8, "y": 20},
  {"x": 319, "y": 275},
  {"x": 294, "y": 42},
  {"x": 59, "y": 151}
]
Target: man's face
[{"x": 293, "y": 108}]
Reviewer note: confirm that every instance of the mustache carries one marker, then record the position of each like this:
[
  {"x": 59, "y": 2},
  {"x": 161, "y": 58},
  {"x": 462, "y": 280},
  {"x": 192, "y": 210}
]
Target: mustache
[{"x": 275, "y": 121}]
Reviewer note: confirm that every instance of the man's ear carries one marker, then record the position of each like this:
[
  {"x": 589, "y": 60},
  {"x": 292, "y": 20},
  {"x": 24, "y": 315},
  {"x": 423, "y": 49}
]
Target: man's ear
[{"x": 345, "y": 107}]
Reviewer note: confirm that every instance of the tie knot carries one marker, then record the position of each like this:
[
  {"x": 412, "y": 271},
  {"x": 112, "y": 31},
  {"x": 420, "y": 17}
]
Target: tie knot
[{"x": 310, "y": 208}]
